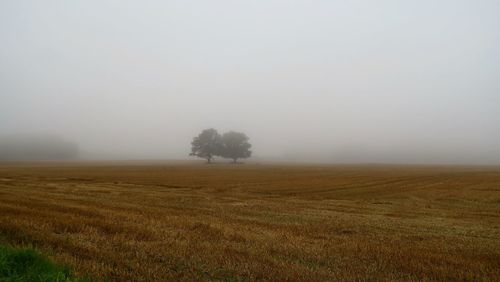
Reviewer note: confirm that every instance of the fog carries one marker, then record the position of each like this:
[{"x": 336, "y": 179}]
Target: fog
[{"x": 314, "y": 81}]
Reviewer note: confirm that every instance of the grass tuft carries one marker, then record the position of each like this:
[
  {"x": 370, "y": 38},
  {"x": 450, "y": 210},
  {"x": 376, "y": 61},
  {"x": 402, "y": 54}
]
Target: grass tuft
[{"x": 30, "y": 265}]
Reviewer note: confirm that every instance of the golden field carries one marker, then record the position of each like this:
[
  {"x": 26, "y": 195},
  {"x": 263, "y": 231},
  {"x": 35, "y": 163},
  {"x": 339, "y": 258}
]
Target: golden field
[{"x": 183, "y": 221}]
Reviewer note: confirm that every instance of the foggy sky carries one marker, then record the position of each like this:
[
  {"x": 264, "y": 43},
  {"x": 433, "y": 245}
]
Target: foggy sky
[{"x": 330, "y": 81}]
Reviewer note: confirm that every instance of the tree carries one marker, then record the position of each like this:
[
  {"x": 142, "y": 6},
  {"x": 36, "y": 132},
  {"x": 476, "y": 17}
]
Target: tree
[
  {"x": 207, "y": 145},
  {"x": 235, "y": 146}
]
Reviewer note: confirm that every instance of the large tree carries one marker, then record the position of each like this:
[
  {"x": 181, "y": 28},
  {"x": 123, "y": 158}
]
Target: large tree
[
  {"x": 235, "y": 146},
  {"x": 207, "y": 145}
]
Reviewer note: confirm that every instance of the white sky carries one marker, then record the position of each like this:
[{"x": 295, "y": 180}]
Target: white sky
[{"x": 335, "y": 81}]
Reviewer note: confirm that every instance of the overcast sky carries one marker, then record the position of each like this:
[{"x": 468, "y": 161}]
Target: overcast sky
[{"x": 332, "y": 81}]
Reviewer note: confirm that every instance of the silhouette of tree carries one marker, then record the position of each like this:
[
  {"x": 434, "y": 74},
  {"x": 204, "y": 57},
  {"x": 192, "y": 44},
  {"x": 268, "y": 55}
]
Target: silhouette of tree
[
  {"x": 207, "y": 145},
  {"x": 235, "y": 146}
]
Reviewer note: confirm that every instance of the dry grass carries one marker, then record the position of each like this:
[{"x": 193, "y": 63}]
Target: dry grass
[{"x": 157, "y": 222}]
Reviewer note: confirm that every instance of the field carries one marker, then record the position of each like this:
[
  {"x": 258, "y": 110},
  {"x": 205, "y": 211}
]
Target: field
[{"x": 183, "y": 221}]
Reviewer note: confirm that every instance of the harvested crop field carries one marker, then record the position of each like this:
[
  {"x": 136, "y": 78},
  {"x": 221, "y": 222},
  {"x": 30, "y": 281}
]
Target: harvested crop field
[{"x": 184, "y": 221}]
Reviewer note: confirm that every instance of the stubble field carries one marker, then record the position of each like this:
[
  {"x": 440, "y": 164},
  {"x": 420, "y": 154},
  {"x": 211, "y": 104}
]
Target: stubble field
[{"x": 183, "y": 221}]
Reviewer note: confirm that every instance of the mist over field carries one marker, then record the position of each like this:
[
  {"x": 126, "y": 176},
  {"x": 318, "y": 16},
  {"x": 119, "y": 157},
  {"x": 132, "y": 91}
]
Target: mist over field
[{"x": 307, "y": 81}]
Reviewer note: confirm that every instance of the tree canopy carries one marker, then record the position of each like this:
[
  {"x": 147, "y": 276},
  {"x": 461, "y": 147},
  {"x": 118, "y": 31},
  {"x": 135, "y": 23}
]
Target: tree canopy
[
  {"x": 235, "y": 145},
  {"x": 209, "y": 143}
]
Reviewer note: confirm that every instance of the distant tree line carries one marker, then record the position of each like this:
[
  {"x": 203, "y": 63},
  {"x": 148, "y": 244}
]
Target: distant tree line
[
  {"x": 231, "y": 145},
  {"x": 14, "y": 148}
]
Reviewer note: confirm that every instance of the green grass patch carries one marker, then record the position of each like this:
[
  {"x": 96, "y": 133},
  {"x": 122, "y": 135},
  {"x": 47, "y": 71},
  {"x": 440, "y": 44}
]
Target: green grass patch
[{"x": 30, "y": 265}]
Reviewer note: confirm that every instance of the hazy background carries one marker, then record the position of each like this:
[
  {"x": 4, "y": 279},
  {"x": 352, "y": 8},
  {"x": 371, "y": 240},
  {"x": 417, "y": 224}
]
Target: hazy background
[{"x": 330, "y": 81}]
